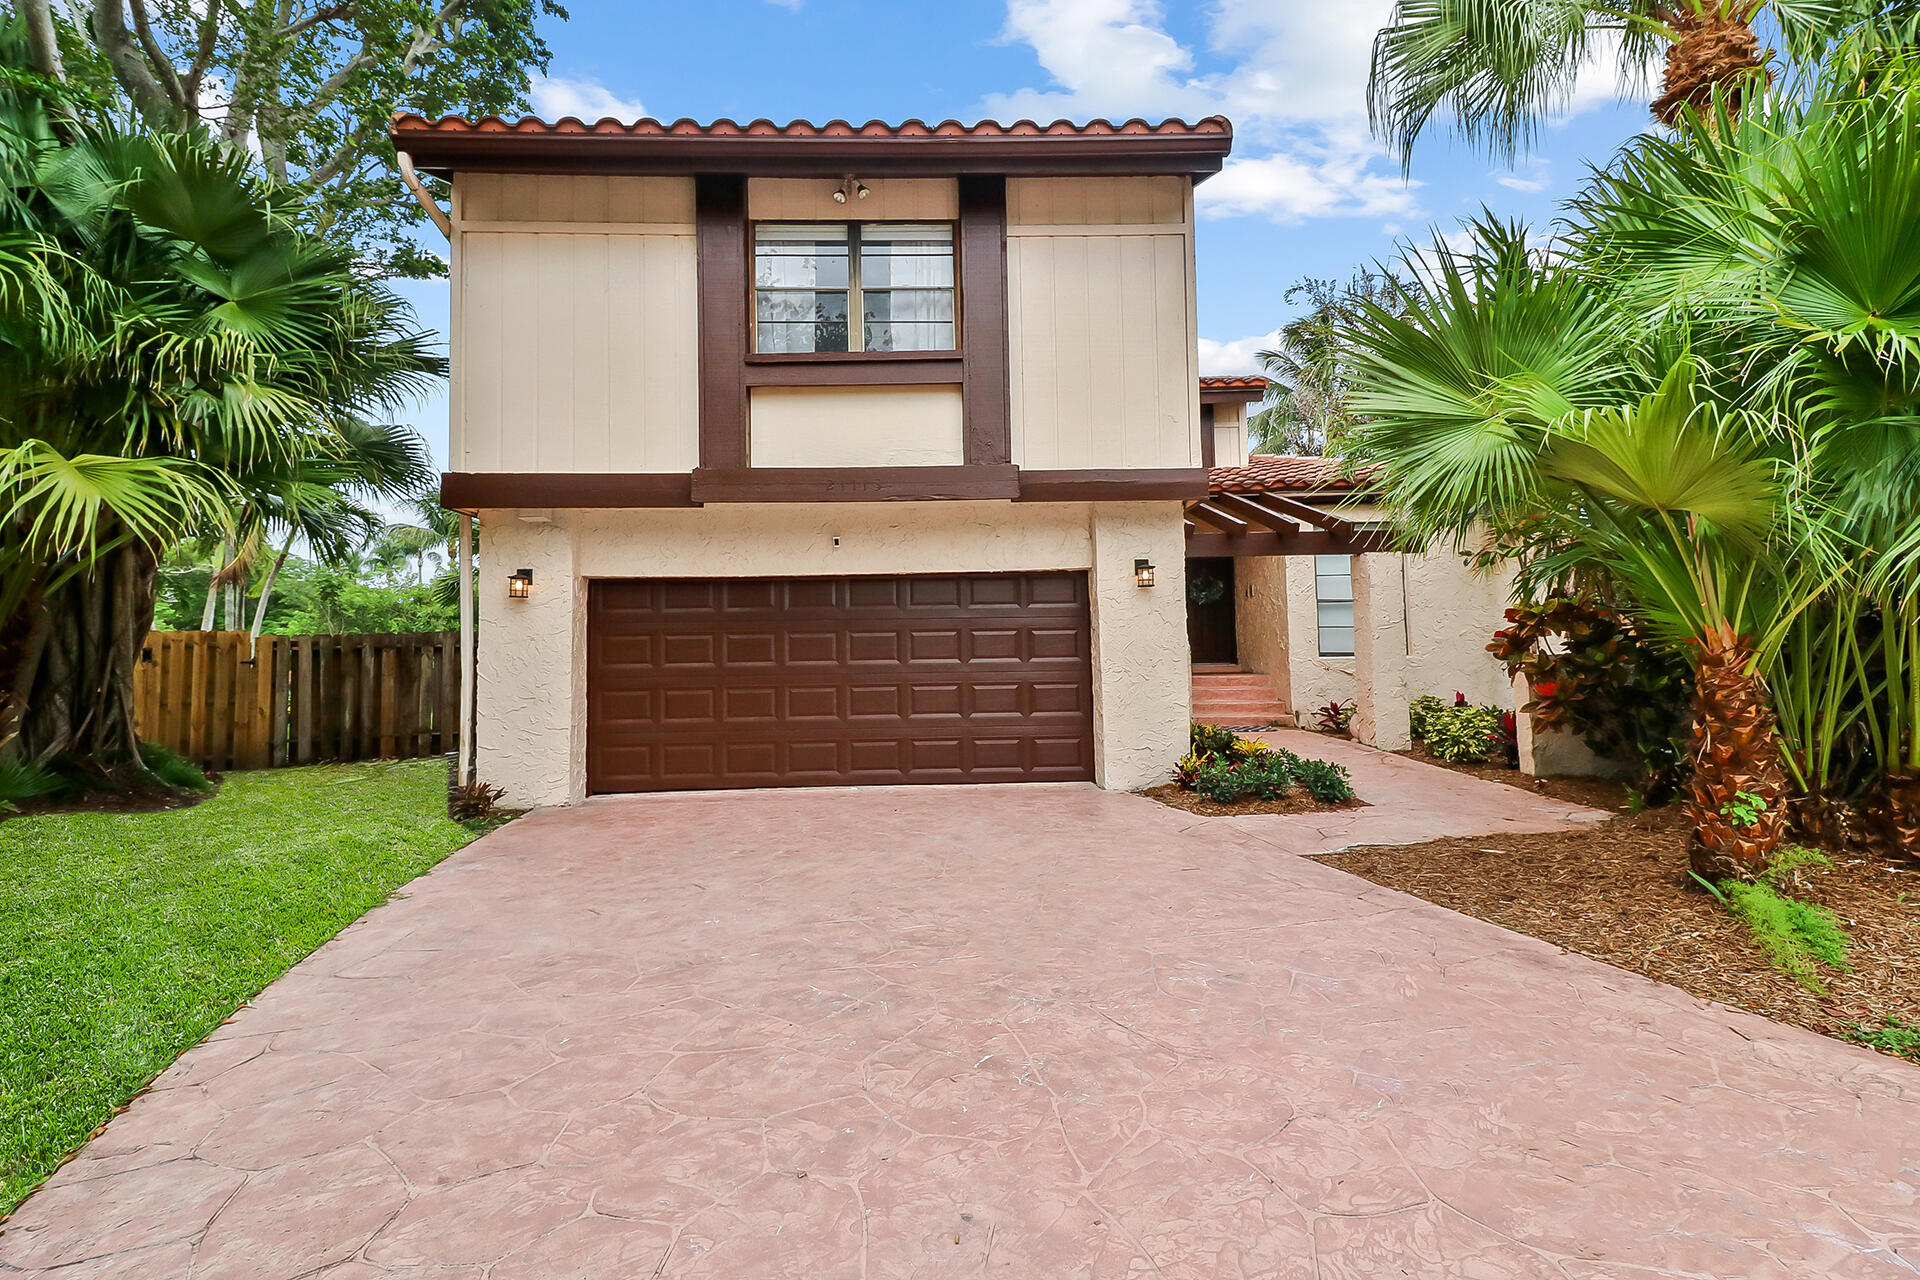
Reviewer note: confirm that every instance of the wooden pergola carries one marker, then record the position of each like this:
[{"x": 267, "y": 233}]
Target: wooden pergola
[{"x": 1272, "y": 524}]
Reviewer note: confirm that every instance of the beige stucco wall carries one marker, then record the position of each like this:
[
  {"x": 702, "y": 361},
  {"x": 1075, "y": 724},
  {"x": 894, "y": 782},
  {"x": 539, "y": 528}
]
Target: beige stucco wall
[
  {"x": 531, "y": 736},
  {"x": 1261, "y": 621},
  {"x": 904, "y": 426},
  {"x": 888, "y": 200},
  {"x": 574, "y": 324},
  {"x": 1101, "y": 323}
]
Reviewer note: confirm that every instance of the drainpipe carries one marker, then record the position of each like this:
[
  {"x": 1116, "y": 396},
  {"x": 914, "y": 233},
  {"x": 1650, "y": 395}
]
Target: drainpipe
[{"x": 464, "y": 766}]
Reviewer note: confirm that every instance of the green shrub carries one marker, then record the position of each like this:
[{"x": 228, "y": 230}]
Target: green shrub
[
  {"x": 1219, "y": 782},
  {"x": 20, "y": 780},
  {"x": 1267, "y": 777},
  {"x": 174, "y": 770},
  {"x": 1325, "y": 782},
  {"x": 1420, "y": 710},
  {"x": 1461, "y": 733}
]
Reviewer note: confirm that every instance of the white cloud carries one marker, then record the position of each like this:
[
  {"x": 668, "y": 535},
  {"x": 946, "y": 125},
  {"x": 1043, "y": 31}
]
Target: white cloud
[
  {"x": 1241, "y": 356},
  {"x": 583, "y": 98},
  {"x": 1289, "y": 187},
  {"x": 1530, "y": 176},
  {"x": 1296, "y": 94},
  {"x": 1293, "y": 81}
]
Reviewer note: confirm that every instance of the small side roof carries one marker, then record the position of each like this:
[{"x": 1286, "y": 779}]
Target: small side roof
[
  {"x": 804, "y": 149},
  {"x": 1233, "y": 390},
  {"x": 1291, "y": 473}
]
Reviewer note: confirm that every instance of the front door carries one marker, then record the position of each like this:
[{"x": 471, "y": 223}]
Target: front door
[{"x": 1210, "y": 611}]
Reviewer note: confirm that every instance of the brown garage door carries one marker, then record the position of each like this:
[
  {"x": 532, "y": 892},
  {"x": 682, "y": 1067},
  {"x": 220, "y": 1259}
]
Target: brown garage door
[{"x": 784, "y": 682}]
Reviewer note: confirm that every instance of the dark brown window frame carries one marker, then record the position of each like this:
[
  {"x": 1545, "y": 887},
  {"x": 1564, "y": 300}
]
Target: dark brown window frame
[{"x": 755, "y": 356}]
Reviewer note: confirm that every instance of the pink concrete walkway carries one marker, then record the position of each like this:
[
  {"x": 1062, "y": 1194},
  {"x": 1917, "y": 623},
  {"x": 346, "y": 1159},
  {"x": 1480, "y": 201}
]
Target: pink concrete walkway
[{"x": 1038, "y": 1032}]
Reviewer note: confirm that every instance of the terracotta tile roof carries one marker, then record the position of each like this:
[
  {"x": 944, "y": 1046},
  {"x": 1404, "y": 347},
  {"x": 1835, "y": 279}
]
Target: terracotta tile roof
[
  {"x": 1235, "y": 383},
  {"x": 411, "y": 123},
  {"x": 1288, "y": 473},
  {"x": 801, "y": 148}
]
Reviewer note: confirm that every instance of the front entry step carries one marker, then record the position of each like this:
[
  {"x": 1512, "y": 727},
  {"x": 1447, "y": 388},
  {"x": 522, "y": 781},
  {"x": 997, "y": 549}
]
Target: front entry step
[{"x": 1227, "y": 695}]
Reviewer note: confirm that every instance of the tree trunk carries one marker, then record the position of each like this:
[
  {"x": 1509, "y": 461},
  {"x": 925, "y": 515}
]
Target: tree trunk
[
  {"x": 266, "y": 588},
  {"x": 73, "y": 700},
  {"x": 1737, "y": 797},
  {"x": 43, "y": 39},
  {"x": 1713, "y": 46}
]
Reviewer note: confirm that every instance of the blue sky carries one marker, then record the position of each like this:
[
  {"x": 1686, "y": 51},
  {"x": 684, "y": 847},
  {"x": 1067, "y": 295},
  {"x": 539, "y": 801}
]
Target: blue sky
[{"x": 1307, "y": 192}]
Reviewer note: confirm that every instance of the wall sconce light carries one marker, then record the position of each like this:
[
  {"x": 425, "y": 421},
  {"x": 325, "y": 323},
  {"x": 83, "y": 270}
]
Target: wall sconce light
[
  {"x": 1143, "y": 573},
  {"x": 851, "y": 189},
  {"x": 520, "y": 585}
]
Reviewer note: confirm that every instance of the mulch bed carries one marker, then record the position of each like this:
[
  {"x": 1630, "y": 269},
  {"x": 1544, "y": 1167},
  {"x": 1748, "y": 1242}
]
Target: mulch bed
[
  {"x": 1619, "y": 892},
  {"x": 1596, "y": 793},
  {"x": 1295, "y": 801}
]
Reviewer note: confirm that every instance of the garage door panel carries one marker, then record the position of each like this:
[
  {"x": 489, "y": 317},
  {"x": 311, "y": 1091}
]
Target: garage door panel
[{"x": 786, "y": 682}]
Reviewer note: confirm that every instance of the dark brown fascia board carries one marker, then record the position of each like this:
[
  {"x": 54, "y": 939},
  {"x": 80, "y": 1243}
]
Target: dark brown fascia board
[
  {"x": 1232, "y": 395},
  {"x": 476, "y": 490},
  {"x": 472, "y": 491},
  {"x": 443, "y": 153},
  {"x": 854, "y": 484},
  {"x": 1119, "y": 484},
  {"x": 1319, "y": 543}
]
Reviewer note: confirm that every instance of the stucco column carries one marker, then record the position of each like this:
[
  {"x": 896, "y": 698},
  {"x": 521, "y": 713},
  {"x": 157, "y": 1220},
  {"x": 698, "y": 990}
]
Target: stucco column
[
  {"x": 1142, "y": 672},
  {"x": 1380, "y": 652},
  {"x": 529, "y": 661}
]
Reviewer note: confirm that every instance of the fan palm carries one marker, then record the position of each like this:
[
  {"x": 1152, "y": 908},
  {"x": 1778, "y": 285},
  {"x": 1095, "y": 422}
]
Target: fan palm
[
  {"x": 1705, "y": 396},
  {"x": 170, "y": 350},
  {"x": 1507, "y": 400},
  {"x": 1794, "y": 240}
]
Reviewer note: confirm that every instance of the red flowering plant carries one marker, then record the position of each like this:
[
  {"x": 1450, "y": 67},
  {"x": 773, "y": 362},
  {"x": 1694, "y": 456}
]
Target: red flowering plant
[{"x": 1592, "y": 672}]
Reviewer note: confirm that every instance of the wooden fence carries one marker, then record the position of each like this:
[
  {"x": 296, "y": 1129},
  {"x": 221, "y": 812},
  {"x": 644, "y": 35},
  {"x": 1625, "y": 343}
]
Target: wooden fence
[{"x": 225, "y": 701}]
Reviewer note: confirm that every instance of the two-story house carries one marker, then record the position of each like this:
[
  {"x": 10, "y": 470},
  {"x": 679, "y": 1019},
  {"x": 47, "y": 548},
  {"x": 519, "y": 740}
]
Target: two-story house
[{"x": 828, "y": 454}]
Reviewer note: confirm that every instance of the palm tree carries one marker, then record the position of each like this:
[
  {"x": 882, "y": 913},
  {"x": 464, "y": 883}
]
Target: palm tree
[
  {"x": 1501, "y": 401},
  {"x": 1500, "y": 68},
  {"x": 1307, "y": 409},
  {"x": 167, "y": 341},
  {"x": 1705, "y": 397}
]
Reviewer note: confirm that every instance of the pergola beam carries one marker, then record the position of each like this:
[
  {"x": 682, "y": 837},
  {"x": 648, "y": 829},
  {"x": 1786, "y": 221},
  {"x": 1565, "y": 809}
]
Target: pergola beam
[
  {"x": 1254, "y": 513},
  {"x": 1321, "y": 542}
]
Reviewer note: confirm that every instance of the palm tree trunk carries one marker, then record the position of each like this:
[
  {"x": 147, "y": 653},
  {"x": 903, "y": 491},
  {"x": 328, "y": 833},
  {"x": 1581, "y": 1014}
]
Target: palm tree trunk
[
  {"x": 266, "y": 588},
  {"x": 1737, "y": 797},
  {"x": 210, "y": 614},
  {"x": 1714, "y": 46}
]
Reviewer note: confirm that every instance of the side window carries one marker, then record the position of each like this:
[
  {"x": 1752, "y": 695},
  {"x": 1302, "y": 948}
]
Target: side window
[
  {"x": 853, "y": 287},
  {"x": 1333, "y": 594}
]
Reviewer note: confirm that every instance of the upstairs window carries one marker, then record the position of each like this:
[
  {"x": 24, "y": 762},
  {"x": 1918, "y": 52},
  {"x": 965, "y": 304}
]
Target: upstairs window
[
  {"x": 1333, "y": 596},
  {"x": 872, "y": 286}
]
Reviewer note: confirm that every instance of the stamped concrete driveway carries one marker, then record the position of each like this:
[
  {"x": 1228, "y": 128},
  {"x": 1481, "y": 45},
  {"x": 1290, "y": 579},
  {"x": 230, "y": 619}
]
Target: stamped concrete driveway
[{"x": 1036, "y": 1032}]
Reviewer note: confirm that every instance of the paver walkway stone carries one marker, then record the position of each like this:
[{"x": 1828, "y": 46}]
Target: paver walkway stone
[{"x": 1030, "y": 1031}]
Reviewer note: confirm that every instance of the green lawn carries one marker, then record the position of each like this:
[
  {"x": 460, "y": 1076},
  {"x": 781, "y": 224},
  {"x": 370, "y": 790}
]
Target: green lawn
[{"x": 125, "y": 939}]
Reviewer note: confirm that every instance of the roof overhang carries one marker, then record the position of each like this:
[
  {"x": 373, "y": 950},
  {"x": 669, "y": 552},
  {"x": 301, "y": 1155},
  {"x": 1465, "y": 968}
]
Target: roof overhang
[{"x": 761, "y": 148}]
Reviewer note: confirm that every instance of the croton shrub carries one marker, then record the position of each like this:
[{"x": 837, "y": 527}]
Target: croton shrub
[{"x": 1592, "y": 672}]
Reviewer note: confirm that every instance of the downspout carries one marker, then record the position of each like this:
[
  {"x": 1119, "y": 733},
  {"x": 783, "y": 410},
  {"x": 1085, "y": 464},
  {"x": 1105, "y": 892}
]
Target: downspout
[{"x": 464, "y": 764}]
